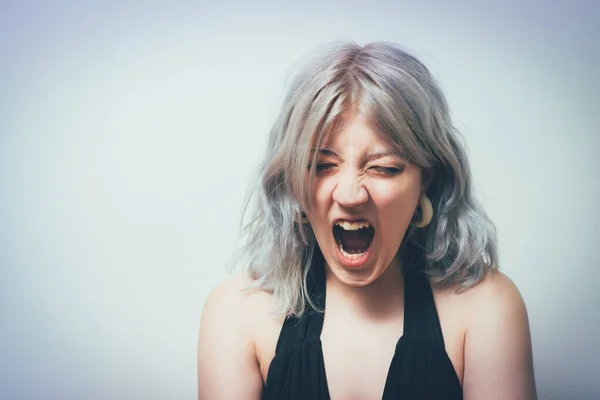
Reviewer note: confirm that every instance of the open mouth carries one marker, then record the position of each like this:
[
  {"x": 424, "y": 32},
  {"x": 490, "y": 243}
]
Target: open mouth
[{"x": 353, "y": 239}]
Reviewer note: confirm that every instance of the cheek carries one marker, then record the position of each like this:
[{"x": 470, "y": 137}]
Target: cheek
[
  {"x": 321, "y": 202},
  {"x": 400, "y": 195},
  {"x": 396, "y": 205},
  {"x": 398, "y": 210},
  {"x": 322, "y": 191}
]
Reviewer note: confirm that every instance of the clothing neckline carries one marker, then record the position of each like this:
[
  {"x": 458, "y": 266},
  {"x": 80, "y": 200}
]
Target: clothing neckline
[
  {"x": 418, "y": 304},
  {"x": 300, "y": 342}
]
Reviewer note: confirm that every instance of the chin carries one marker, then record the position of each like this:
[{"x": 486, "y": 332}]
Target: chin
[{"x": 355, "y": 276}]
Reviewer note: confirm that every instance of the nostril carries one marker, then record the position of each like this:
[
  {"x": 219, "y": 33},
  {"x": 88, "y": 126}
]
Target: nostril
[{"x": 350, "y": 195}]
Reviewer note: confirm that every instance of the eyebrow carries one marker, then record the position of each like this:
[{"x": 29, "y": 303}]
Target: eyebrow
[
  {"x": 374, "y": 156},
  {"x": 326, "y": 152},
  {"x": 367, "y": 158}
]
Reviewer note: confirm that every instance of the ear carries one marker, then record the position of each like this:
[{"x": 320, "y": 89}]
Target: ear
[{"x": 427, "y": 176}]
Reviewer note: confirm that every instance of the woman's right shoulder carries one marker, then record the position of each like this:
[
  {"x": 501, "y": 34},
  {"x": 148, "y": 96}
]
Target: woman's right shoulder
[
  {"x": 235, "y": 298},
  {"x": 236, "y": 328}
]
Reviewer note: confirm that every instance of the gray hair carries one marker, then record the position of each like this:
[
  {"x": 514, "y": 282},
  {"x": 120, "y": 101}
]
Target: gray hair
[{"x": 399, "y": 94}]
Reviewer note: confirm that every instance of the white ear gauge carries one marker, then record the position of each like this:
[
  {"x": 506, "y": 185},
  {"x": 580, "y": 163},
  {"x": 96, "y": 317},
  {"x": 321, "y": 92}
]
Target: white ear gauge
[{"x": 426, "y": 212}]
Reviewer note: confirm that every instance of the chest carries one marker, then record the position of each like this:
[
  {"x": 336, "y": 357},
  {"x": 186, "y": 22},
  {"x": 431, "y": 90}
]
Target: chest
[
  {"x": 357, "y": 362},
  {"x": 354, "y": 358}
]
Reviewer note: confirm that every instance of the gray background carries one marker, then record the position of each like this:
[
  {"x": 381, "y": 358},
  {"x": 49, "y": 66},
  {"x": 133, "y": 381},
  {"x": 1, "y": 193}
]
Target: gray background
[{"x": 129, "y": 132}]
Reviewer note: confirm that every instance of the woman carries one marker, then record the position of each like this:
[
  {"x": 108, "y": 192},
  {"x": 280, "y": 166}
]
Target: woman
[{"x": 372, "y": 272}]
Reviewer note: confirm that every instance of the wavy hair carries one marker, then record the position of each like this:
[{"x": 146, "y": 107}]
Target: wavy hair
[{"x": 399, "y": 94}]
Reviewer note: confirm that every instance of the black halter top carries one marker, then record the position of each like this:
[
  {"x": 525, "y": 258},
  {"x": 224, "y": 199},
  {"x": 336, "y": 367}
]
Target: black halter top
[{"x": 420, "y": 368}]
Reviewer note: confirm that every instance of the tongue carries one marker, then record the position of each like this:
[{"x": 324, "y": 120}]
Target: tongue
[{"x": 355, "y": 240}]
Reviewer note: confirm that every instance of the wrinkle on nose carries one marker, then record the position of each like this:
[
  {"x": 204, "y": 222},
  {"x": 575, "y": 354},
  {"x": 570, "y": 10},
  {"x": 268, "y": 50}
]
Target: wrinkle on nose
[{"x": 349, "y": 191}]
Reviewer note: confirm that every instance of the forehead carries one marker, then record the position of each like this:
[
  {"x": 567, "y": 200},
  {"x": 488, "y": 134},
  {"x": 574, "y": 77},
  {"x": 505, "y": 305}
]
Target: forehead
[{"x": 357, "y": 132}]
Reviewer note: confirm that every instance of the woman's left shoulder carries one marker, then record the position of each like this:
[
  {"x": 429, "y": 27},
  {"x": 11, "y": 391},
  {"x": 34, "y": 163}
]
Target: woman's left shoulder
[
  {"x": 494, "y": 293},
  {"x": 492, "y": 308},
  {"x": 490, "y": 326}
]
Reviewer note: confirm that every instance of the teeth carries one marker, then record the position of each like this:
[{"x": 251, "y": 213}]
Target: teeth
[
  {"x": 348, "y": 255},
  {"x": 352, "y": 226}
]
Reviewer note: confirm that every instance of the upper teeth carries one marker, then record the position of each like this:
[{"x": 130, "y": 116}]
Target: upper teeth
[{"x": 352, "y": 226}]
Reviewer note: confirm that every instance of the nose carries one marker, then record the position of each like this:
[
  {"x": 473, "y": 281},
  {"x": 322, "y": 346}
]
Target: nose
[{"x": 349, "y": 191}]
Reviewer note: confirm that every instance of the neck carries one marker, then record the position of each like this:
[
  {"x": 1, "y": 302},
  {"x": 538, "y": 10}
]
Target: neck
[{"x": 381, "y": 299}]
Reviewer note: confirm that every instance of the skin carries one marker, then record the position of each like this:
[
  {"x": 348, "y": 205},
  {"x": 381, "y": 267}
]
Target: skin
[{"x": 486, "y": 330}]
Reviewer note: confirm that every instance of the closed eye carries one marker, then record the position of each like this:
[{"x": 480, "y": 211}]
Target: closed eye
[
  {"x": 391, "y": 171},
  {"x": 324, "y": 167},
  {"x": 321, "y": 167}
]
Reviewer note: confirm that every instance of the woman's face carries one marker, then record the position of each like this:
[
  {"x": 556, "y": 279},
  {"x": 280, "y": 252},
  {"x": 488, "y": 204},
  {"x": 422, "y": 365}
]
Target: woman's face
[{"x": 364, "y": 197}]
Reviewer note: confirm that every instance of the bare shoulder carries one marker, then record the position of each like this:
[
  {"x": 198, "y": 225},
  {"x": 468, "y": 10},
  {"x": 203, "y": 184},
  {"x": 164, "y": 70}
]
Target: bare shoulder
[
  {"x": 233, "y": 305},
  {"x": 230, "y": 295},
  {"x": 497, "y": 344},
  {"x": 495, "y": 293},
  {"x": 496, "y": 287},
  {"x": 228, "y": 364}
]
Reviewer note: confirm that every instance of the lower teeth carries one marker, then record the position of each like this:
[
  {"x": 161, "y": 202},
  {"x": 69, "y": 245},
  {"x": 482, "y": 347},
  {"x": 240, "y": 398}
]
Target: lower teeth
[{"x": 353, "y": 255}]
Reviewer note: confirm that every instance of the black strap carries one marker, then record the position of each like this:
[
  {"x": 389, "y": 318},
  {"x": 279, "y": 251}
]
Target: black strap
[
  {"x": 420, "y": 314},
  {"x": 296, "y": 330}
]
